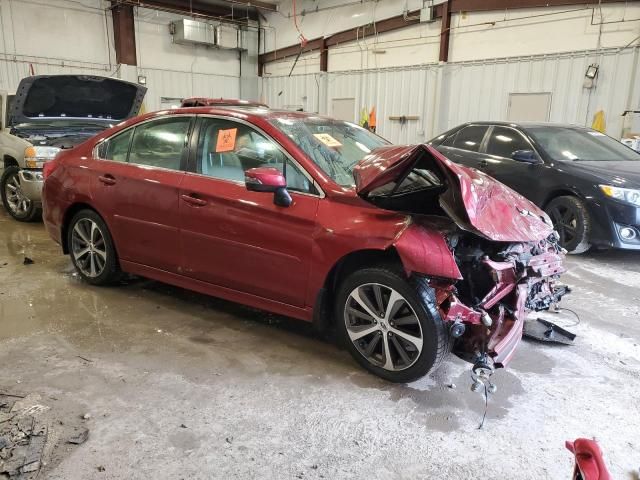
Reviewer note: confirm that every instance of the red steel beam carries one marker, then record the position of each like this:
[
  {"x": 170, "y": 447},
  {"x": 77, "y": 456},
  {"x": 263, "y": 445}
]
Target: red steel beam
[
  {"x": 199, "y": 9},
  {"x": 445, "y": 32},
  {"x": 124, "y": 34}
]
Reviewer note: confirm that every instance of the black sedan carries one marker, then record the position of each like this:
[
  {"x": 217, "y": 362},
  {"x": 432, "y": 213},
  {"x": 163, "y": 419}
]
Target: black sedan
[{"x": 587, "y": 182}]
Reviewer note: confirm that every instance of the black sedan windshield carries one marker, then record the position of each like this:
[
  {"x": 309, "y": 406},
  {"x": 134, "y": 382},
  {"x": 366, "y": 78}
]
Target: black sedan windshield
[
  {"x": 571, "y": 144},
  {"x": 335, "y": 146}
]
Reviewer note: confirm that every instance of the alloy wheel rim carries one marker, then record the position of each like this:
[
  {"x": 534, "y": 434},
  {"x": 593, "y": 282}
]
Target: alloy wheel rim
[
  {"x": 88, "y": 248},
  {"x": 565, "y": 222},
  {"x": 383, "y": 327},
  {"x": 18, "y": 203}
]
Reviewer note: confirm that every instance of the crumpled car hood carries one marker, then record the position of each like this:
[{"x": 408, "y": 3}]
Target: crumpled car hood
[{"x": 474, "y": 200}]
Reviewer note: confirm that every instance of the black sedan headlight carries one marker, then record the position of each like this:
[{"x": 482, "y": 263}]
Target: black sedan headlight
[{"x": 627, "y": 195}]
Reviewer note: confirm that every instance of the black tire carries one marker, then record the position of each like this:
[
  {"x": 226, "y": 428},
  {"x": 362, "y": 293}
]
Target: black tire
[
  {"x": 110, "y": 273},
  {"x": 571, "y": 219},
  {"x": 421, "y": 298},
  {"x": 32, "y": 212}
]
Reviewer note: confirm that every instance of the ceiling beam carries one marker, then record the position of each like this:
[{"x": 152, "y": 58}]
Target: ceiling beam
[
  {"x": 269, "y": 7},
  {"x": 400, "y": 21},
  {"x": 445, "y": 31},
  {"x": 195, "y": 9}
]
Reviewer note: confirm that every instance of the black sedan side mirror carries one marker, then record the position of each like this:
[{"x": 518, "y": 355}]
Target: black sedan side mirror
[{"x": 527, "y": 156}]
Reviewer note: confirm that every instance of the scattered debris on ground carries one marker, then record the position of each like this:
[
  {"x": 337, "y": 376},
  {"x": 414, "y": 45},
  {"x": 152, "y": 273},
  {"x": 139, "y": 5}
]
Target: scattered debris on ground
[
  {"x": 25, "y": 434},
  {"x": 545, "y": 331}
]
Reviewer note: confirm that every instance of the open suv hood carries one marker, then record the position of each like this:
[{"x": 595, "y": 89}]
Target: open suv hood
[
  {"x": 475, "y": 201},
  {"x": 75, "y": 97}
]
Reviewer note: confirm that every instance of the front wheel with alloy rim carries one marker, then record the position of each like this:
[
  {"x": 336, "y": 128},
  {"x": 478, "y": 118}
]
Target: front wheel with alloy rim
[
  {"x": 91, "y": 248},
  {"x": 14, "y": 201},
  {"x": 390, "y": 324},
  {"x": 571, "y": 219}
]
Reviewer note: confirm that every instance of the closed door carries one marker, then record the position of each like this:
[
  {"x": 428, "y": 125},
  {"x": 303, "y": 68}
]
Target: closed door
[
  {"x": 239, "y": 239},
  {"x": 501, "y": 144},
  {"x": 464, "y": 146},
  {"x": 136, "y": 186}
]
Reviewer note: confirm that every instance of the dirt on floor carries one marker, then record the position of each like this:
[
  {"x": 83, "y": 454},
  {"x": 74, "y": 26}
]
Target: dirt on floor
[{"x": 172, "y": 384}]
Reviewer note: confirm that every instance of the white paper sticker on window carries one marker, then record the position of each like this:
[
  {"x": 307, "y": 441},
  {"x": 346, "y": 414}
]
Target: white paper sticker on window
[{"x": 327, "y": 139}]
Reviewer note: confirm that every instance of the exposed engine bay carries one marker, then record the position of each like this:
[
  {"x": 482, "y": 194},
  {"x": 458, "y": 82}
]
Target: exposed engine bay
[{"x": 501, "y": 283}]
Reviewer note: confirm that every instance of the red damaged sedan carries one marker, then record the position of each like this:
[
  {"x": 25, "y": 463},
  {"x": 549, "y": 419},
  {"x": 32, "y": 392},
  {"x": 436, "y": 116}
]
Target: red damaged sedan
[{"x": 406, "y": 254}]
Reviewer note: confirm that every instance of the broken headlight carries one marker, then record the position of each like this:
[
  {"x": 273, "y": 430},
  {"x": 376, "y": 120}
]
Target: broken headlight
[{"x": 627, "y": 195}]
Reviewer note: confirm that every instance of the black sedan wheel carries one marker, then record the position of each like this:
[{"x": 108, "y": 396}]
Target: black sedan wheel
[
  {"x": 15, "y": 202},
  {"x": 571, "y": 219}
]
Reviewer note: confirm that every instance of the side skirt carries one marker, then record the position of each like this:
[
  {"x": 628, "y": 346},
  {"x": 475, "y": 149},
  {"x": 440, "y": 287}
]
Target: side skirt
[{"x": 216, "y": 291}]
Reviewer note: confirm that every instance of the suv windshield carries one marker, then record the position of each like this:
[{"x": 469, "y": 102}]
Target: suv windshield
[
  {"x": 564, "y": 143},
  {"x": 334, "y": 145}
]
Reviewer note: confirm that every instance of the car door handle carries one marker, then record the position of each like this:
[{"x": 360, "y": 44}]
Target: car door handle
[
  {"x": 194, "y": 201},
  {"x": 107, "y": 179}
]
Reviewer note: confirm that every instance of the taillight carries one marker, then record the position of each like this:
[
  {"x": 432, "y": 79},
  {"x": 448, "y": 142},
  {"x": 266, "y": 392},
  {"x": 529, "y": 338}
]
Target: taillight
[{"x": 49, "y": 167}]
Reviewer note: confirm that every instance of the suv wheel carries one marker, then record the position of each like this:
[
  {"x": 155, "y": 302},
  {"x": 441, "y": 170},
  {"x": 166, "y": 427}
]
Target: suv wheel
[
  {"x": 14, "y": 201},
  {"x": 572, "y": 221},
  {"x": 390, "y": 324},
  {"x": 91, "y": 248}
]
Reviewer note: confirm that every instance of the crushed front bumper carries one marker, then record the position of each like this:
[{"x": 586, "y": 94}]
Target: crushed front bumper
[
  {"x": 31, "y": 181},
  {"x": 493, "y": 326}
]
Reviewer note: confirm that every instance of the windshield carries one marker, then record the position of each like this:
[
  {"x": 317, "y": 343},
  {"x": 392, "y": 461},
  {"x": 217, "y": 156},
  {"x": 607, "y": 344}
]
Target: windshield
[
  {"x": 570, "y": 144},
  {"x": 335, "y": 146}
]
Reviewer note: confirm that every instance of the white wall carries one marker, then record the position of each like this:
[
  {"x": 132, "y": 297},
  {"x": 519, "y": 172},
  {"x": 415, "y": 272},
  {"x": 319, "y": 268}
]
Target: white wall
[
  {"x": 66, "y": 36},
  {"x": 474, "y": 36},
  {"x": 445, "y": 95}
]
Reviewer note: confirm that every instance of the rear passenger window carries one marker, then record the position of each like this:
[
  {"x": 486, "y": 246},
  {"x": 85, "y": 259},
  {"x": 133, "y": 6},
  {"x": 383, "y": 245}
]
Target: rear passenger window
[
  {"x": 160, "y": 143},
  {"x": 116, "y": 148},
  {"x": 470, "y": 138}
]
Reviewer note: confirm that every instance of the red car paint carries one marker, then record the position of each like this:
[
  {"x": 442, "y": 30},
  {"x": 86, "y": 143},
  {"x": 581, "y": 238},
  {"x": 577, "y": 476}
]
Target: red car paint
[
  {"x": 216, "y": 237},
  {"x": 589, "y": 464},
  {"x": 491, "y": 208}
]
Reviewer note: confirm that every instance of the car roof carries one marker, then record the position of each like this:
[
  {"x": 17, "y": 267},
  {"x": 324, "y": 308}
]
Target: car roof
[
  {"x": 264, "y": 113},
  {"x": 525, "y": 125},
  {"x": 207, "y": 101}
]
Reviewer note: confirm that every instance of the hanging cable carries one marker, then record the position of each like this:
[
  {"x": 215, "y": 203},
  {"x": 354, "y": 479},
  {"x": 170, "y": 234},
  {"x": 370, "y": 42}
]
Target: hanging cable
[{"x": 301, "y": 37}]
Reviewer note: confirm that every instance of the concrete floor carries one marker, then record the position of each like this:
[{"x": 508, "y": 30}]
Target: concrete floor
[{"x": 179, "y": 385}]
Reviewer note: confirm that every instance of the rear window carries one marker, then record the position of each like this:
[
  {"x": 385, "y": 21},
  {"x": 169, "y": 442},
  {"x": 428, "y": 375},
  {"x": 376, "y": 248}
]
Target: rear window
[{"x": 469, "y": 138}]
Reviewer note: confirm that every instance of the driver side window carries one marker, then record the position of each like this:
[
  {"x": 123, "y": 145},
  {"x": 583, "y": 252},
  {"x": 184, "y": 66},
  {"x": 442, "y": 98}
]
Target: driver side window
[{"x": 227, "y": 149}]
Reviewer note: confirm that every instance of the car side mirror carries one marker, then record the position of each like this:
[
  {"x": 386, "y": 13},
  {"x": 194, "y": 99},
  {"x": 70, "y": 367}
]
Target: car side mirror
[
  {"x": 268, "y": 179},
  {"x": 526, "y": 156}
]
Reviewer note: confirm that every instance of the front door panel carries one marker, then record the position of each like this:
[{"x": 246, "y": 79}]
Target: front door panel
[{"x": 241, "y": 240}]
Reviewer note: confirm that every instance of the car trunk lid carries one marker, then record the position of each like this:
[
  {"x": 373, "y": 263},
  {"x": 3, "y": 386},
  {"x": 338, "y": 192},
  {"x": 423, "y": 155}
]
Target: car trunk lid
[
  {"x": 88, "y": 97},
  {"x": 473, "y": 200}
]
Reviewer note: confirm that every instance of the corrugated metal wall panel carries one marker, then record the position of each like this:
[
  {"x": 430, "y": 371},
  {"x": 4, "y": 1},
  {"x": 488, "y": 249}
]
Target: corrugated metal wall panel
[
  {"x": 471, "y": 91},
  {"x": 160, "y": 83},
  {"x": 296, "y": 91}
]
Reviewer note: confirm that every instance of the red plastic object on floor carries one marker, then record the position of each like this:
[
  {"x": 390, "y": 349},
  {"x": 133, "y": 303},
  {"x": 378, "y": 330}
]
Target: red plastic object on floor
[{"x": 588, "y": 457}]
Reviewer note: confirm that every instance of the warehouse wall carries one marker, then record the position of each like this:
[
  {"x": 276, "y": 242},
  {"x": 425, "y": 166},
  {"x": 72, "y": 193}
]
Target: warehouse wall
[
  {"x": 64, "y": 36},
  {"x": 474, "y": 36},
  {"x": 443, "y": 96}
]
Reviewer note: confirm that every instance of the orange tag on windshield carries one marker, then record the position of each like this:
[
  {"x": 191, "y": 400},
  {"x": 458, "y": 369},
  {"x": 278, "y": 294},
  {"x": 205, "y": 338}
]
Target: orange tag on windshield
[{"x": 226, "y": 140}]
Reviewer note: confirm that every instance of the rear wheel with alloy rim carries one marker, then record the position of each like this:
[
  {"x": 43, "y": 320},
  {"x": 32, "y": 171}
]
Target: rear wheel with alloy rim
[
  {"x": 571, "y": 219},
  {"x": 390, "y": 324},
  {"x": 14, "y": 200},
  {"x": 91, "y": 248}
]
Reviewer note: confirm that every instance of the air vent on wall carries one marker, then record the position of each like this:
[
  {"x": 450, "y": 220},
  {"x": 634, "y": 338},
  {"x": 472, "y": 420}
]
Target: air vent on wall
[{"x": 191, "y": 32}]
